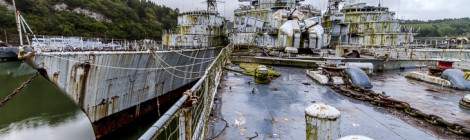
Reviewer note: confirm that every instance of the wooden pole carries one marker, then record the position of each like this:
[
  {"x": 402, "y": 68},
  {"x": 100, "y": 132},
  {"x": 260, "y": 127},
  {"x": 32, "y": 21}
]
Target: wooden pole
[
  {"x": 323, "y": 122},
  {"x": 6, "y": 36}
]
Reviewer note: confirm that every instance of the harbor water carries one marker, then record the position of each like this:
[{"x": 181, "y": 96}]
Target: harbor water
[{"x": 43, "y": 112}]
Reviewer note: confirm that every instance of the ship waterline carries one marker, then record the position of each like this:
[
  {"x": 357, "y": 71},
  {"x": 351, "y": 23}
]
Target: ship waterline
[{"x": 110, "y": 85}]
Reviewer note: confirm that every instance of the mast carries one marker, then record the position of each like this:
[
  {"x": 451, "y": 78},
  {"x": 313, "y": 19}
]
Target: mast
[
  {"x": 211, "y": 5},
  {"x": 18, "y": 23},
  {"x": 333, "y": 6}
]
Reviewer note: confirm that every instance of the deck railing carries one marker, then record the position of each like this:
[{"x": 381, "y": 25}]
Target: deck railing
[
  {"x": 64, "y": 44},
  {"x": 188, "y": 117}
]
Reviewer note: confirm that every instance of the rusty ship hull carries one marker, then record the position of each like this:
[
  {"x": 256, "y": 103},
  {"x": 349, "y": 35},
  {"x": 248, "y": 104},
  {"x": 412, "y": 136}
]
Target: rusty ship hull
[{"x": 114, "y": 88}]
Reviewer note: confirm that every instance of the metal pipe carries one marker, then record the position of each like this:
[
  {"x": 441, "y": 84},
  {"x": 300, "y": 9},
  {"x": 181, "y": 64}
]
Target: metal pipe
[{"x": 18, "y": 24}]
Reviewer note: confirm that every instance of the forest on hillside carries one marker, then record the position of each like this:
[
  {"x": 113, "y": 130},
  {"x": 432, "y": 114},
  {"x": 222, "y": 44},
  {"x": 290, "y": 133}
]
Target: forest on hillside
[
  {"x": 440, "y": 28},
  {"x": 136, "y": 19},
  {"x": 123, "y": 19}
]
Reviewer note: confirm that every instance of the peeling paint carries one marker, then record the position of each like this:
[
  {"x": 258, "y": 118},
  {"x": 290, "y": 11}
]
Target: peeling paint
[{"x": 106, "y": 91}]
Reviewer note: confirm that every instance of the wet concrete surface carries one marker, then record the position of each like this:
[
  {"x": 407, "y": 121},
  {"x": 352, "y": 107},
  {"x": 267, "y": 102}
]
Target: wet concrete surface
[
  {"x": 276, "y": 111},
  {"x": 429, "y": 98}
]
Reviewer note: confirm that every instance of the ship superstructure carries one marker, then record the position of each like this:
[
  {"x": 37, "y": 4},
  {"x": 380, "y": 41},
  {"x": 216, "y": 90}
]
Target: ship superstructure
[
  {"x": 291, "y": 25},
  {"x": 278, "y": 24},
  {"x": 115, "y": 83},
  {"x": 201, "y": 28},
  {"x": 362, "y": 25}
]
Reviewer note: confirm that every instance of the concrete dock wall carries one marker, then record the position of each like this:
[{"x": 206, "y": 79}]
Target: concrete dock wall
[
  {"x": 276, "y": 61},
  {"x": 402, "y": 53}
]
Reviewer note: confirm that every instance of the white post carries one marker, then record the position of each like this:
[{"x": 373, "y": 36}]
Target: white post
[
  {"x": 355, "y": 137},
  {"x": 465, "y": 102},
  {"x": 323, "y": 122}
]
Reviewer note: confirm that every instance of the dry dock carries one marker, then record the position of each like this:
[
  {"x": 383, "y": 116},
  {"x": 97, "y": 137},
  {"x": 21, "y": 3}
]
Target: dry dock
[{"x": 276, "y": 111}]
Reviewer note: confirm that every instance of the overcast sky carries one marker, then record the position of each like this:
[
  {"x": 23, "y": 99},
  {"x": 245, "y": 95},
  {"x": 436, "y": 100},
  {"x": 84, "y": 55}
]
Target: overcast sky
[{"x": 406, "y": 9}]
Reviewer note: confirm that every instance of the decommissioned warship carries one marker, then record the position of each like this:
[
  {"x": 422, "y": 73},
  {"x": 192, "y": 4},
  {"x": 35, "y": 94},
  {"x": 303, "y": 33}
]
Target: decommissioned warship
[{"x": 115, "y": 82}]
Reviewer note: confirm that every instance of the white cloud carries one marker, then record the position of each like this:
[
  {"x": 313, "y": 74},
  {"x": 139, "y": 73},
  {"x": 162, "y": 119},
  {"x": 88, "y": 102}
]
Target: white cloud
[{"x": 408, "y": 9}]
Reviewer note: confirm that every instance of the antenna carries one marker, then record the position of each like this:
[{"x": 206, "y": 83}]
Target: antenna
[
  {"x": 211, "y": 5},
  {"x": 380, "y": 3}
]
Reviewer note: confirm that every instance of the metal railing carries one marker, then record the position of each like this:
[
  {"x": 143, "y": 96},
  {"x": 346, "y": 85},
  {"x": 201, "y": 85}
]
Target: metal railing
[
  {"x": 59, "y": 43},
  {"x": 65, "y": 44},
  {"x": 188, "y": 117}
]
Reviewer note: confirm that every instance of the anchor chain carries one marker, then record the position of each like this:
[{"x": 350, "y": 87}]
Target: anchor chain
[
  {"x": 382, "y": 100},
  {"x": 18, "y": 90}
]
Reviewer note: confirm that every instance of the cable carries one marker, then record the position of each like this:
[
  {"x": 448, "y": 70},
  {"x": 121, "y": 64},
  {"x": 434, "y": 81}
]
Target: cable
[
  {"x": 114, "y": 67},
  {"x": 161, "y": 60},
  {"x": 223, "y": 129},
  {"x": 192, "y": 56},
  {"x": 171, "y": 73}
]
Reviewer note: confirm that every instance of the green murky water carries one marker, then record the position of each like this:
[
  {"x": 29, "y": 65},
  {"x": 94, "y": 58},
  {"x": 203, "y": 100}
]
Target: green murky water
[{"x": 41, "y": 111}]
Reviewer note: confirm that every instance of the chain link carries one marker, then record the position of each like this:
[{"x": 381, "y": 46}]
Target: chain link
[
  {"x": 18, "y": 90},
  {"x": 381, "y": 100}
]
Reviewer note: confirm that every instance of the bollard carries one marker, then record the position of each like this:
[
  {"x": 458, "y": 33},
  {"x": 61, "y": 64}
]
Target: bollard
[
  {"x": 355, "y": 137},
  {"x": 322, "y": 122},
  {"x": 465, "y": 102}
]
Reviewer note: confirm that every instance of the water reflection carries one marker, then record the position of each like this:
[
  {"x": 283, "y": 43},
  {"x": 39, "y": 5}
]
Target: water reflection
[
  {"x": 41, "y": 111},
  {"x": 74, "y": 126}
]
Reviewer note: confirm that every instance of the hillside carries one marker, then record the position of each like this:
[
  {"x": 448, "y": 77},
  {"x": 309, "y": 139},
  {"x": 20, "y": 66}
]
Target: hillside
[
  {"x": 441, "y": 28},
  {"x": 123, "y": 19}
]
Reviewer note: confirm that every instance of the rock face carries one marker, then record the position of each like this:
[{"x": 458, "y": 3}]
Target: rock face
[
  {"x": 64, "y": 7},
  {"x": 94, "y": 15},
  {"x": 83, "y": 11}
]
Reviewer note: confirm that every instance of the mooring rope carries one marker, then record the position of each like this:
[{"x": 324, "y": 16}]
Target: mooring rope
[
  {"x": 171, "y": 73},
  {"x": 192, "y": 57},
  {"x": 18, "y": 90},
  {"x": 167, "y": 64},
  {"x": 124, "y": 68}
]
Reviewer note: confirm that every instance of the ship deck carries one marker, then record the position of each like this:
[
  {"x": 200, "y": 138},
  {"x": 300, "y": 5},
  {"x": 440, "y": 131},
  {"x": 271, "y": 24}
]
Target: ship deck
[{"x": 276, "y": 111}]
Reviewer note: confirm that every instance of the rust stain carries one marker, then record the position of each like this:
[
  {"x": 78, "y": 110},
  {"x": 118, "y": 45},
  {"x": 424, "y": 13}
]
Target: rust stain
[
  {"x": 55, "y": 77},
  {"x": 82, "y": 83},
  {"x": 113, "y": 122}
]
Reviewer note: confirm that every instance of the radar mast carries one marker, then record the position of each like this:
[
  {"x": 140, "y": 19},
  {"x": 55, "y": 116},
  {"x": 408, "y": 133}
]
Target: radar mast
[{"x": 211, "y": 5}]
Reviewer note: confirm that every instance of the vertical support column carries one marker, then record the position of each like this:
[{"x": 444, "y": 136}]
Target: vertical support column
[
  {"x": 323, "y": 122},
  {"x": 182, "y": 125},
  {"x": 188, "y": 123}
]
